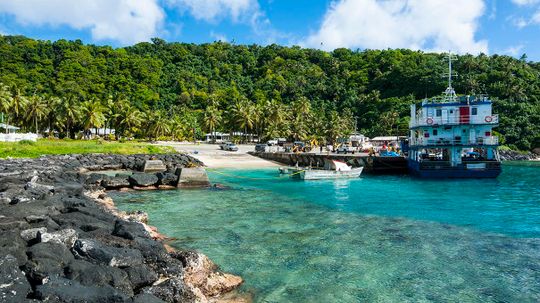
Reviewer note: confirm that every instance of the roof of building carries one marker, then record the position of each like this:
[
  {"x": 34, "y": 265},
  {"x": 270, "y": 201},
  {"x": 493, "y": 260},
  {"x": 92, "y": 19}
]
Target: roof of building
[
  {"x": 7, "y": 126},
  {"x": 387, "y": 138}
]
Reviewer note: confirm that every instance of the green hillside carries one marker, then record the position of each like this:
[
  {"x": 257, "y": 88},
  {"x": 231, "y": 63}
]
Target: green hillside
[{"x": 179, "y": 91}]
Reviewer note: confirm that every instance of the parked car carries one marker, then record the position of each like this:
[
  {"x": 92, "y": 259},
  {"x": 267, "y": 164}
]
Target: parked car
[
  {"x": 281, "y": 141},
  {"x": 260, "y": 148},
  {"x": 223, "y": 144},
  {"x": 272, "y": 142},
  {"x": 230, "y": 147},
  {"x": 345, "y": 149}
]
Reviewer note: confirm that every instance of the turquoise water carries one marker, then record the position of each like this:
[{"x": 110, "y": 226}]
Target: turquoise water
[{"x": 376, "y": 239}]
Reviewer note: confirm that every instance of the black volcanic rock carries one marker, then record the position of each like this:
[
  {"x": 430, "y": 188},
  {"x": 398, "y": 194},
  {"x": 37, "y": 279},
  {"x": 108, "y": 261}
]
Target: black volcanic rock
[
  {"x": 65, "y": 290},
  {"x": 141, "y": 276},
  {"x": 143, "y": 179},
  {"x": 96, "y": 252},
  {"x": 129, "y": 230},
  {"x": 116, "y": 182},
  {"x": 59, "y": 245},
  {"x": 89, "y": 274},
  {"x": 166, "y": 178},
  {"x": 15, "y": 286}
]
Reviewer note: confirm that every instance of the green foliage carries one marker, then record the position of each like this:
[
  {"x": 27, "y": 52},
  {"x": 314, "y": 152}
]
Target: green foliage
[
  {"x": 30, "y": 149},
  {"x": 180, "y": 91},
  {"x": 27, "y": 142}
]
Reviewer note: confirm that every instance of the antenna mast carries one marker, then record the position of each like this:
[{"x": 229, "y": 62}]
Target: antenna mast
[{"x": 450, "y": 92}]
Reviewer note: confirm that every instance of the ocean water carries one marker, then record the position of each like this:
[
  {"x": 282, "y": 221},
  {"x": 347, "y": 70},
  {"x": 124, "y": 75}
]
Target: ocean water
[{"x": 375, "y": 239}]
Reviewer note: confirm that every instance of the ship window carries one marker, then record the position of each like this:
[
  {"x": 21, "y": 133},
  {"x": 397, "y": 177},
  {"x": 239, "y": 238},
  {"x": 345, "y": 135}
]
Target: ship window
[
  {"x": 451, "y": 111},
  {"x": 435, "y": 132},
  {"x": 438, "y": 113},
  {"x": 474, "y": 111}
]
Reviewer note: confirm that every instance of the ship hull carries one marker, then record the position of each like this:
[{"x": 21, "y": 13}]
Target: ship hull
[{"x": 460, "y": 172}]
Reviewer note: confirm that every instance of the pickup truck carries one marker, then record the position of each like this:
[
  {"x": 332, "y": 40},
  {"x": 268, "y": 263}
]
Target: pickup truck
[{"x": 345, "y": 149}]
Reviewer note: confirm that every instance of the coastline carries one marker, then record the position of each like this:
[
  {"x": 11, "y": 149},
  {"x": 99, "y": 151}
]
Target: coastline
[
  {"x": 213, "y": 157},
  {"x": 64, "y": 240}
]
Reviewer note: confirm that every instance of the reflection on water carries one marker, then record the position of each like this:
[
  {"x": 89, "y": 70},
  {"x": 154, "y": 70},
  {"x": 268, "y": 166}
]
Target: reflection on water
[{"x": 345, "y": 243}]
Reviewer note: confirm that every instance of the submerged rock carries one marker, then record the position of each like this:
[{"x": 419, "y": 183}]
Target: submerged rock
[{"x": 201, "y": 273}]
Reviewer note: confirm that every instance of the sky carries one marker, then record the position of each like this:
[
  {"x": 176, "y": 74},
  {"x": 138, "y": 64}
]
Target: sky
[{"x": 509, "y": 27}]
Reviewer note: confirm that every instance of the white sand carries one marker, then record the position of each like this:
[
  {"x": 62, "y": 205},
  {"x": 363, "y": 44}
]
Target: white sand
[{"x": 213, "y": 157}]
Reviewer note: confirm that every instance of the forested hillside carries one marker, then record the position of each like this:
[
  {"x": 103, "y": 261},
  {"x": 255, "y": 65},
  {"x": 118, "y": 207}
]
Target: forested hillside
[{"x": 172, "y": 90}]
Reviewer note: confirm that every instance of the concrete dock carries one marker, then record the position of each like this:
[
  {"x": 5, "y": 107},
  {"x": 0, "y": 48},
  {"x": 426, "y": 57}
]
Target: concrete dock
[{"x": 371, "y": 164}]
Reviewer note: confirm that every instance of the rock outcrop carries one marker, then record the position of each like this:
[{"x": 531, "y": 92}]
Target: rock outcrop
[
  {"x": 62, "y": 240},
  {"x": 511, "y": 155}
]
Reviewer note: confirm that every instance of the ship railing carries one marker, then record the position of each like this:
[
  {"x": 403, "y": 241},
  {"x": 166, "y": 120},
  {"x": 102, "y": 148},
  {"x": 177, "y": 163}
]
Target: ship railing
[
  {"x": 441, "y": 121},
  {"x": 492, "y": 140}
]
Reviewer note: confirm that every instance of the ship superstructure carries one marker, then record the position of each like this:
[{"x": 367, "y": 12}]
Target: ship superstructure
[{"x": 452, "y": 136}]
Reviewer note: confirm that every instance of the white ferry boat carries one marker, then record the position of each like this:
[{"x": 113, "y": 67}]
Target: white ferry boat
[
  {"x": 452, "y": 137},
  {"x": 333, "y": 169}
]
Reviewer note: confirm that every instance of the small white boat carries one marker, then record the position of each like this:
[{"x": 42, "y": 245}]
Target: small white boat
[{"x": 333, "y": 169}]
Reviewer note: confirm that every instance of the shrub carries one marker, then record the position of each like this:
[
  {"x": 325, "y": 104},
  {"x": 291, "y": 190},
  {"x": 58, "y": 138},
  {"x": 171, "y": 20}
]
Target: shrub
[{"x": 27, "y": 142}]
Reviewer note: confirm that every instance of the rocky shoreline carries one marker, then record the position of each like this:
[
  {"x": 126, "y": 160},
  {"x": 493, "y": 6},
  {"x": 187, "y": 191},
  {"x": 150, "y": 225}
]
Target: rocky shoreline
[
  {"x": 511, "y": 155},
  {"x": 64, "y": 241}
]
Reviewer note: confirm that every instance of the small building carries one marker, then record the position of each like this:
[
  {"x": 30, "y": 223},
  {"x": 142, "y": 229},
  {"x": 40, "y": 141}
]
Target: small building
[
  {"x": 219, "y": 137},
  {"x": 9, "y": 134},
  {"x": 8, "y": 129},
  {"x": 387, "y": 140}
]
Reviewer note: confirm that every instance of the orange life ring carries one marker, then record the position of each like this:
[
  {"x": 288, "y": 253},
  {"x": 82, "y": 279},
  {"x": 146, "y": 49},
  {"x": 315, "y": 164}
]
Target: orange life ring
[
  {"x": 488, "y": 119},
  {"x": 429, "y": 121}
]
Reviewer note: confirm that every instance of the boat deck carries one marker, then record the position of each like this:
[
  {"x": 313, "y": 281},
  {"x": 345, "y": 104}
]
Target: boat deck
[{"x": 371, "y": 164}]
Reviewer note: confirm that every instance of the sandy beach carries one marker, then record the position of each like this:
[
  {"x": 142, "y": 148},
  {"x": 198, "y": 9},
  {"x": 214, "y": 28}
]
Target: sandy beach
[{"x": 214, "y": 157}]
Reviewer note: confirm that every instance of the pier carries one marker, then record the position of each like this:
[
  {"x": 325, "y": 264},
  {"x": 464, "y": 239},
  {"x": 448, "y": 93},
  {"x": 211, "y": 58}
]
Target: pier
[{"x": 371, "y": 164}]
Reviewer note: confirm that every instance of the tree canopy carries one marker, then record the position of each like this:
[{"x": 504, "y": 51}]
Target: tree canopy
[{"x": 181, "y": 90}]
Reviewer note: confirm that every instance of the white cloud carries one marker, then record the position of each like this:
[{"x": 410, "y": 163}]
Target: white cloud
[
  {"x": 536, "y": 17},
  {"x": 514, "y": 50},
  {"x": 436, "y": 25},
  {"x": 525, "y": 2},
  {"x": 212, "y": 10},
  {"x": 240, "y": 11},
  {"x": 520, "y": 22},
  {"x": 125, "y": 21},
  {"x": 218, "y": 36}
]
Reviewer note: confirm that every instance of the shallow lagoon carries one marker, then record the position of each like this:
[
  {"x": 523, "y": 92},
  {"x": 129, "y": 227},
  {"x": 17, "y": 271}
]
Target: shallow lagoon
[{"x": 376, "y": 239}]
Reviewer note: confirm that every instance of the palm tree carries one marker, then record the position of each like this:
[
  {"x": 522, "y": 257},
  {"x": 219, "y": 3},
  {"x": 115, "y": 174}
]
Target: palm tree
[
  {"x": 93, "y": 113},
  {"x": 130, "y": 119},
  {"x": 54, "y": 115},
  {"x": 5, "y": 102},
  {"x": 276, "y": 115},
  {"x": 301, "y": 114},
  {"x": 178, "y": 128},
  {"x": 36, "y": 109},
  {"x": 158, "y": 124},
  {"x": 212, "y": 119},
  {"x": 70, "y": 112},
  {"x": 18, "y": 102},
  {"x": 242, "y": 115}
]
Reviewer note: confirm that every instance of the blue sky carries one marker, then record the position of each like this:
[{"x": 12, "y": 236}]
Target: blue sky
[{"x": 510, "y": 27}]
